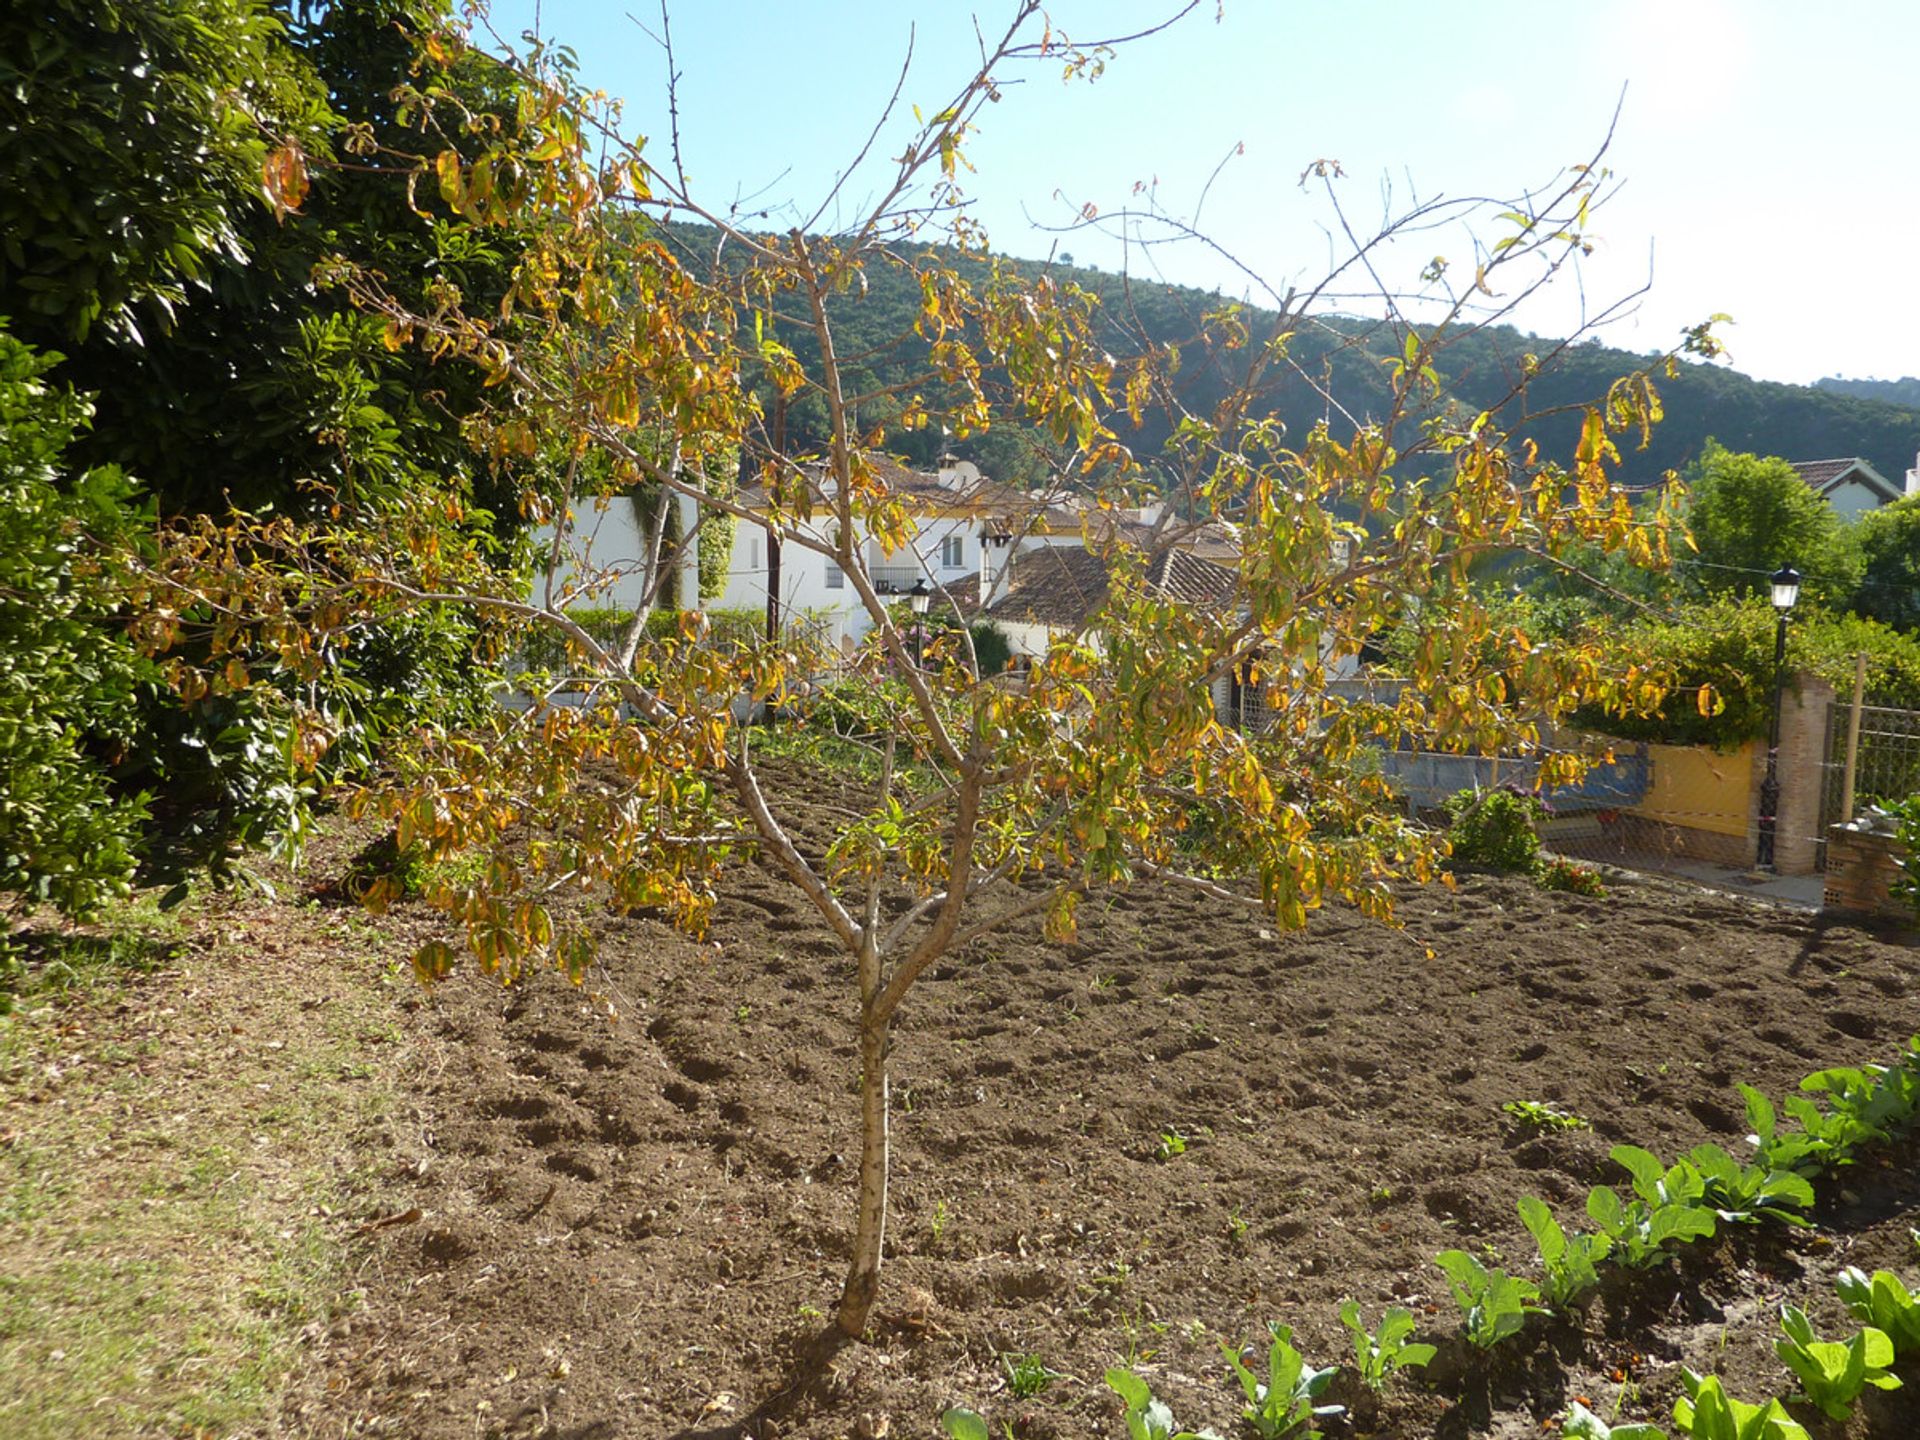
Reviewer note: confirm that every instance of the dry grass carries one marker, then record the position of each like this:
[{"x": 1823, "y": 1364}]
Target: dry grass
[{"x": 192, "y": 1107}]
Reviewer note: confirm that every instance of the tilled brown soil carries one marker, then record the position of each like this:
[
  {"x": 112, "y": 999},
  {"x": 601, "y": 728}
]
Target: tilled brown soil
[{"x": 635, "y": 1202}]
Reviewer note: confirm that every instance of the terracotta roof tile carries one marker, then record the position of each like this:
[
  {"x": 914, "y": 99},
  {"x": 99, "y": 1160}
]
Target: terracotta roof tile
[{"x": 1064, "y": 586}]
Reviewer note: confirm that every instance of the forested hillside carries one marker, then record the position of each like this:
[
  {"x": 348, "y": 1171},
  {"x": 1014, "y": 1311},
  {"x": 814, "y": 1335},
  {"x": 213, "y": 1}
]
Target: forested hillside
[
  {"x": 1904, "y": 391},
  {"x": 1346, "y": 358}
]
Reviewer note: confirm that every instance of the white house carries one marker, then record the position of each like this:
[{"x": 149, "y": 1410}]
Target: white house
[
  {"x": 1851, "y": 486},
  {"x": 964, "y": 526}
]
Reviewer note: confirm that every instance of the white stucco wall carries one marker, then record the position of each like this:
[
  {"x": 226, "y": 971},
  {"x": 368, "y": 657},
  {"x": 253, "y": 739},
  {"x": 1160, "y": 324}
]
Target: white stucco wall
[{"x": 1853, "y": 499}]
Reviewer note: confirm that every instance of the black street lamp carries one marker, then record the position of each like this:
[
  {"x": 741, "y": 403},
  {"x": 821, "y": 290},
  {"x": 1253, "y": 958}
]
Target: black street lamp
[
  {"x": 1786, "y": 592},
  {"x": 919, "y": 597}
]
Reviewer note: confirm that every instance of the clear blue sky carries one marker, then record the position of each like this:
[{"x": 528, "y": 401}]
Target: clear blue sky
[{"x": 1770, "y": 151}]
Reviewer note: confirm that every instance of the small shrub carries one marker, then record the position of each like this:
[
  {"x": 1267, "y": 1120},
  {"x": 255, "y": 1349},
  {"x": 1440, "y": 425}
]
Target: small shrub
[
  {"x": 1559, "y": 874},
  {"x": 1493, "y": 830}
]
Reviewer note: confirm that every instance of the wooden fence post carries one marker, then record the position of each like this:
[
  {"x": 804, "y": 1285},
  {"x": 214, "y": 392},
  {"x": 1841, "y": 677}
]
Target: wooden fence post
[{"x": 1853, "y": 735}]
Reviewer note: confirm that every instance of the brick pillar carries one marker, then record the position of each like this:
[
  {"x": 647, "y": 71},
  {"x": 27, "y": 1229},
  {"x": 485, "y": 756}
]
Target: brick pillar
[{"x": 1802, "y": 771}]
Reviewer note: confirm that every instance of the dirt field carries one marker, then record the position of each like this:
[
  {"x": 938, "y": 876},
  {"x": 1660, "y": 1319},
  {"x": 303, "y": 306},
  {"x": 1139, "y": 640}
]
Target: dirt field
[
  {"x": 634, "y": 1226},
  {"x": 633, "y": 1223}
]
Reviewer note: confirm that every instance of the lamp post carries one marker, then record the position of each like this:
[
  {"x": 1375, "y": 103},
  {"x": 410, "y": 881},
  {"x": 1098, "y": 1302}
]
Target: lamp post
[
  {"x": 919, "y": 597},
  {"x": 1786, "y": 592}
]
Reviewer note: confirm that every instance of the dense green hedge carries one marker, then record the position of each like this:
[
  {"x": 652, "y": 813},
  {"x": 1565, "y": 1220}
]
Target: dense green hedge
[{"x": 1728, "y": 645}]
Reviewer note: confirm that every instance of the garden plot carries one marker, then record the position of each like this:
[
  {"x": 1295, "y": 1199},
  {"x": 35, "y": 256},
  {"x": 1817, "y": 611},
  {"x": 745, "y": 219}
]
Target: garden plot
[{"x": 1125, "y": 1150}]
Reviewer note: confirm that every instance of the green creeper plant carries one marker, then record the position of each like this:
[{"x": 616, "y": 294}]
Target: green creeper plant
[
  {"x": 1493, "y": 1304},
  {"x": 1281, "y": 1406},
  {"x": 1379, "y": 1355},
  {"x": 1833, "y": 1374}
]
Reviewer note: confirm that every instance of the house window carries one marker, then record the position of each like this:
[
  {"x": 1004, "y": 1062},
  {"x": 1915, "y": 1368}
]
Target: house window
[
  {"x": 753, "y": 554},
  {"x": 836, "y": 578},
  {"x": 953, "y": 552}
]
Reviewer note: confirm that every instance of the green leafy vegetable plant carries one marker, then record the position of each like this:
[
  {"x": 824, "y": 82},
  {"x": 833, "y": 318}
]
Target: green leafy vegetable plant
[
  {"x": 1832, "y": 1373},
  {"x": 1493, "y": 1304},
  {"x": 1380, "y": 1354},
  {"x": 1281, "y": 1406},
  {"x": 1172, "y": 1144},
  {"x": 1543, "y": 1116},
  {"x": 1567, "y": 1261},
  {"x": 1027, "y": 1375},
  {"x": 1884, "y": 1303},
  {"x": 1707, "y": 1412},
  {"x": 1777, "y": 1149},
  {"x": 1147, "y": 1418},
  {"x": 1747, "y": 1193},
  {"x": 1581, "y": 1423},
  {"x": 1667, "y": 1208},
  {"x": 964, "y": 1424}
]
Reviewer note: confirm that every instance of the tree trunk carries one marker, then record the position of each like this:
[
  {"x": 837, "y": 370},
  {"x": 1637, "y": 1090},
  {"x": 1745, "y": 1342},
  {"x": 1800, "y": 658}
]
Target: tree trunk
[{"x": 863, "y": 1273}]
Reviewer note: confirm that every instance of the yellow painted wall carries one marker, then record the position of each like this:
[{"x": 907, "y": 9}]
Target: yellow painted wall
[{"x": 1700, "y": 788}]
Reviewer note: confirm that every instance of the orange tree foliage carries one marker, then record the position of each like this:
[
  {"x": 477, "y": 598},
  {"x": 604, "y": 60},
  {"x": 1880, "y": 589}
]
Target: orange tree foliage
[{"x": 624, "y": 361}]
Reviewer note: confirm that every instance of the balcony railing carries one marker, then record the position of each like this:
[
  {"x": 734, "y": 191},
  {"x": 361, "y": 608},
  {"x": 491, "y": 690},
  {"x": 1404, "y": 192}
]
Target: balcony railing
[{"x": 896, "y": 579}]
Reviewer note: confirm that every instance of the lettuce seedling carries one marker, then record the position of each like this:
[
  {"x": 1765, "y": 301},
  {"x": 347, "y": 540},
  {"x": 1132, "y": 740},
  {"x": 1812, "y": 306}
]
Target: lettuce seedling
[
  {"x": 1146, "y": 1417},
  {"x": 1776, "y": 1149},
  {"x": 1281, "y": 1406},
  {"x": 1493, "y": 1304},
  {"x": 1582, "y": 1424},
  {"x": 1884, "y": 1303},
  {"x": 1378, "y": 1356},
  {"x": 964, "y": 1424},
  {"x": 1833, "y": 1374},
  {"x": 1707, "y": 1412},
  {"x": 1668, "y": 1207},
  {"x": 1567, "y": 1260},
  {"x": 1746, "y": 1193}
]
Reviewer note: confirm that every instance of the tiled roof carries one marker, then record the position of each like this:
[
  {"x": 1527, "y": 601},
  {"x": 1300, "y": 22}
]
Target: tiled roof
[
  {"x": 1825, "y": 476},
  {"x": 1064, "y": 586}
]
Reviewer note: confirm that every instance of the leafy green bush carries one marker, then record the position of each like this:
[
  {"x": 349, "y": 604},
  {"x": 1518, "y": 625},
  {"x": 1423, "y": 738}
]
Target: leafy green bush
[
  {"x": 1727, "y": 645},
  {"x": 991, "y": 647},
  {"x": 67, "y": 679},
  {"x": 1493, "y": 830}
]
